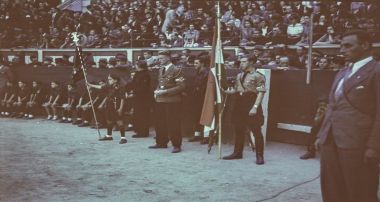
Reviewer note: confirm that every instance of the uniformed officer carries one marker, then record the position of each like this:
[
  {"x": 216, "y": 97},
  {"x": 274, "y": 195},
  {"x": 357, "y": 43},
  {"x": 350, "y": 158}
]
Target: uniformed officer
[
  {"x": 168, "y": 100},
  {"x": 249, "y": 91}
]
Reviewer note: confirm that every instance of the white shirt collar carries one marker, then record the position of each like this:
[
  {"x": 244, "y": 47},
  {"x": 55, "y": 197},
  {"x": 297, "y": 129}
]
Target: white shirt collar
[
  {"x": 359, "y": 64},
  {"x": 167, "y": 66}
]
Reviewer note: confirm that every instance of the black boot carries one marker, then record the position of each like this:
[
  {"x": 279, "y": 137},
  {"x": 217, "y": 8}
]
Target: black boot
[
  {"x": 259, "y": 151},
  {"x": 309, "y": 154},
  {"x": 235, "y": 155},
  {"x": 259, "y": 158}
]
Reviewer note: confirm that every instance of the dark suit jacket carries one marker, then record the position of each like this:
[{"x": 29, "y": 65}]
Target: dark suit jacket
[
  {"x": 173, "y": 82},
  {"x": 354, "y": 120}
]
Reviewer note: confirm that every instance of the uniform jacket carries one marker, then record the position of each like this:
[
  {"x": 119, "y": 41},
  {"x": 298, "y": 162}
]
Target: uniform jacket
[
  {"x": 354, "y": 120},
  {"x": 172, "y": 81}
]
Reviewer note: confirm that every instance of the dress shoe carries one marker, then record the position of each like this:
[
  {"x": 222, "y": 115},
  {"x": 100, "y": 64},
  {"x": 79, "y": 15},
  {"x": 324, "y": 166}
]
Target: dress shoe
[
  {"x": 84, "y": 124},
  {"x": 139, "y": 136},
  {"x": 105, "y": 138},
  {"x": 259, "y": 159},
  {"x": 129, "y": 128},
  {"x": 123, "y": 141},
  {"x": 62, "y": 121},
  {"x": 158, "y": 146},
  {"x": 204, "y": 140},
  {"x": 176, "y": 150},
  {"x": 233, "y": 156},
  {"x": 308, "y": 155},
  {"x": 195, "y": 139},
  {"x": 77, "y": 122}
]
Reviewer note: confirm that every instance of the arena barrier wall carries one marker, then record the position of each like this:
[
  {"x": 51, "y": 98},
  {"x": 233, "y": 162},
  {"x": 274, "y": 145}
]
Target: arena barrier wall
[
  {"x": 293, "y": 103},
  {"x": 289, "y": 104}
]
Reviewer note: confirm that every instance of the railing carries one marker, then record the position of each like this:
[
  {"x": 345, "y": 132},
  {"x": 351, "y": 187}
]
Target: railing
[{"x": 134, "y": 53}]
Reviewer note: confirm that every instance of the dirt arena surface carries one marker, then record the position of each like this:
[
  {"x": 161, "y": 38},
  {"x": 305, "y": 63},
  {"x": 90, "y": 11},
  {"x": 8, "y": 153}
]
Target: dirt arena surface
[{"x": 42, "y": 160}]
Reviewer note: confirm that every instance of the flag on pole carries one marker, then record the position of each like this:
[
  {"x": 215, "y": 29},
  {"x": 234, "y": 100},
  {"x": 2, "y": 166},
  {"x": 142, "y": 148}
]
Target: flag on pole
[
  {"x": 77, "y": 68},
  {"x": 213, "y": 95}
]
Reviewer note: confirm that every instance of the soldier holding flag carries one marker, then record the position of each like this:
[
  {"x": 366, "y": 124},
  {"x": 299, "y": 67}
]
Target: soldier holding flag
[{"x": 249, "y": 91}]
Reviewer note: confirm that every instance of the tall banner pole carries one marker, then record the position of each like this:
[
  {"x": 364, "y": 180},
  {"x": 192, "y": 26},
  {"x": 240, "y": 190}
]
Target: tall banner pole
[
  {"x": 75, "y": 37},
  {"x": 218, "y": 58},
  {"x": 310, "y": 50}
]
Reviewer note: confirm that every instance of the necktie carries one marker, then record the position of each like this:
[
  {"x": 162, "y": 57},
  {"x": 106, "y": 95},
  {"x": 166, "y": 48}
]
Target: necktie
[
  {"x": 339, "y": 90},
  {"x": 163, "y": 71}
]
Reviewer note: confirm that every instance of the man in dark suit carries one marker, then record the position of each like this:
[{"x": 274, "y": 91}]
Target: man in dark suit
[
  {"x": 349, "y": 137},
  {"x": 168, "y": 97}
]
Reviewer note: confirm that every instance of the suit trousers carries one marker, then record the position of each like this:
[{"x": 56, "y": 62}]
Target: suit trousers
[
  {"x": 344, "y": 175},
  {"x": 142, "y": 116},
  {"x": 168, "y": 123}
]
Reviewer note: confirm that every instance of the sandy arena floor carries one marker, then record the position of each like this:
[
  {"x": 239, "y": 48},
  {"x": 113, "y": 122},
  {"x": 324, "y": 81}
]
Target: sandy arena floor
[{"x": 46, "y": 161}]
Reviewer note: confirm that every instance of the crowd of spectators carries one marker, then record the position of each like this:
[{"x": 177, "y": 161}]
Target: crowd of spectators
[{"x": 181, "y": 23}]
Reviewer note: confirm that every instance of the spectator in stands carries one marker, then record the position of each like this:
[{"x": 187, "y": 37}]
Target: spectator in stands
[
  {"x": 246, "y": 34},
  {"x": 324, "y": 63},
  {"x": 53, "y": 101},
  {"x": 284, "y": 63},
  {"x": 93, "y": 39},
  {"x": 230, "y": 35},
  {"x": 329, "y": 38},
  {"x": 187, "y": 57},
  {"x": 299, "y": 60},
  {"x": 294, "y": 31},
  {"x": 47, "y": 62},
  {"x": 257, "y": 38},
  {"x": 35, "y": 100},
  {"x": 34, "y": 61},
  {"x": 102, "y": 64},
  {"x": 234, "y": 21},
  {"x": 144, "y": 37},
  {"x": 176, "y": 41},
  {"x": 111, "y": 62},
  {"x": 66, "y": 60},
  {"x": 162, "y": 42},
  {"x": 122, "y": 62},
  {"x": 191, "y": 36},
  {"x": 149, "y": 58}
]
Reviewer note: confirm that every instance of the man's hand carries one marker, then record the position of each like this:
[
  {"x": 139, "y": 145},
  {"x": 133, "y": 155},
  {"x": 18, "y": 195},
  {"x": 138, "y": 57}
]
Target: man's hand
[
  {"x": 120, "y": 112},
  {"x": 253, "y": 111},
  {"x": 371, "y": 156},
  {"x": 317, "y": 144},
  {"x": 230, "y": 91},
  {"x": 160, "y": 92}
]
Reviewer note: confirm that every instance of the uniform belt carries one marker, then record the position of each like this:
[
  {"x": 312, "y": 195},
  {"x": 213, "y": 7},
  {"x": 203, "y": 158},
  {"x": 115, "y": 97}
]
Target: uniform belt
[{"x": 246, "y": 93}]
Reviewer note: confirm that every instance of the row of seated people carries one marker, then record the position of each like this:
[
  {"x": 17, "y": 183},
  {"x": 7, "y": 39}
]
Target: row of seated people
[{"x": 65, "y": 105}]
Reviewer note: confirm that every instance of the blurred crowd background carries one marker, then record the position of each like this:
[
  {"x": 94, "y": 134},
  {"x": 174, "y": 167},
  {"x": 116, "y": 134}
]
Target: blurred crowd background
[{"x": 264, "y": 28}]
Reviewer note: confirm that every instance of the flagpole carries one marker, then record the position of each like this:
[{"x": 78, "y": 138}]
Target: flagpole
[
  {"x": 310, "y": 50},
  {"x": 78, "y": 50},
  {"x": 219, "y": 78}
]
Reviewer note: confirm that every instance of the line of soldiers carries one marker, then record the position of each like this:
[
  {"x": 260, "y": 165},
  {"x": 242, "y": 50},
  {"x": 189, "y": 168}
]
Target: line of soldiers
[{"x": 111, "y": 100}]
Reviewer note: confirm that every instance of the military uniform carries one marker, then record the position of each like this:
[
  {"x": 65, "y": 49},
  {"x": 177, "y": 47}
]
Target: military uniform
[
  {"x": 247, "y": 86},
  {"x": 168, "y": 106}
]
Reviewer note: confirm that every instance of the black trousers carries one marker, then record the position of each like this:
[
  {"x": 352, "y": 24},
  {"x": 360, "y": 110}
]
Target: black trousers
[
  {"x": 242, "y": 121},
  {"x": 344, "y": 175},
  {"x": 168, "y": 123},
  {"x": 141, "y": 116}
]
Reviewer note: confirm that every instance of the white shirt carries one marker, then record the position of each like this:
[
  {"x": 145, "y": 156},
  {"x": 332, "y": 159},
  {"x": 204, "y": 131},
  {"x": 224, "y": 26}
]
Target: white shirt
[
  {"x": 294, "y": 30},
  {"x": 356, "y": 66},
  {"x": 359, "y": 64},
  {"x": 167, "y": 67}
]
